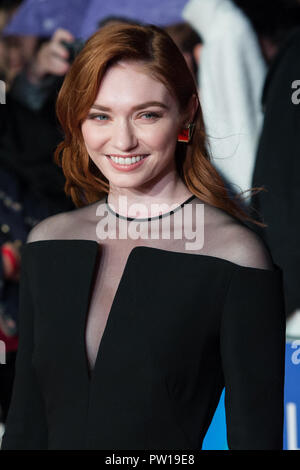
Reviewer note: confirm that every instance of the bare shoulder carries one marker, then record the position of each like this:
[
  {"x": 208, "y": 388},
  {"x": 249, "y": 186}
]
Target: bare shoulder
[
  {"x": 244, "y": 247},
  {"x": 230, "y": 239},
  {"x": 78, "y": 223},
  {"x": 51, "y": 228}
]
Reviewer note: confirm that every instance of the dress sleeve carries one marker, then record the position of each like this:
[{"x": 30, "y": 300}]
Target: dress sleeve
[
  {"x": 25, "y": 427},
  {"x": 252, "y": 341}
]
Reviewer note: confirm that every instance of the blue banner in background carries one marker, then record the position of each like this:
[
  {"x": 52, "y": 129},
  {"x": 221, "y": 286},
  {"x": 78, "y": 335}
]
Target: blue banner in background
[
  {"x": 292, "y": 396},
  {"x": 215, "y": 438}
]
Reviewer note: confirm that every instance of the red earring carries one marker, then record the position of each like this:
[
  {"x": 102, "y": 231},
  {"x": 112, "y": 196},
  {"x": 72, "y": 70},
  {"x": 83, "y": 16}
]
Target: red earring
[{"x": 186, "y": 133}]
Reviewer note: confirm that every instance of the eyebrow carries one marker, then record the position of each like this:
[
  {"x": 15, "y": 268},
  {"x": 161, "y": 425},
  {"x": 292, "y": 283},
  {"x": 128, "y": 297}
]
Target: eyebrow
[{"x": 134, "y": 108}]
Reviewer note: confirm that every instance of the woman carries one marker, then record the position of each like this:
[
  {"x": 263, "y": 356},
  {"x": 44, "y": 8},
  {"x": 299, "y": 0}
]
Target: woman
[{"x": 140, "y": 305}]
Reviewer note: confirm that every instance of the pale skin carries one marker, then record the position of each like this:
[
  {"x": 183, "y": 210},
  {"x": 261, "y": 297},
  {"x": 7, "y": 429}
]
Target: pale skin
[
  {"x": 18, "y": 53},
  {"x": 135, "y": 114},
  {"x": 51, "y": 58},
  {"x": 15, "y": 54}
]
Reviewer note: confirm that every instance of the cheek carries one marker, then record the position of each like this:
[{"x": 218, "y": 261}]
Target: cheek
[
  {"x": 163, "y": 137},
  {"x": 92, "y": 137}
]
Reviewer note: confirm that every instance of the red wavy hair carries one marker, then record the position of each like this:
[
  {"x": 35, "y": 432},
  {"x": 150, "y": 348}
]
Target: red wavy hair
[{"x": 162, "y": 59}]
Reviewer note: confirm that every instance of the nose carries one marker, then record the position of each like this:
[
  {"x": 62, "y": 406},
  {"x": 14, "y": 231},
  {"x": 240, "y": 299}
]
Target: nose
[{"x": 124, "y": 137}]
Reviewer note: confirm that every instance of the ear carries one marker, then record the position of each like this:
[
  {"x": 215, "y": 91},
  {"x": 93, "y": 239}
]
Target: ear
[
  {"x": 197, "y": 52},
  {"x": 192, "y": 109}
]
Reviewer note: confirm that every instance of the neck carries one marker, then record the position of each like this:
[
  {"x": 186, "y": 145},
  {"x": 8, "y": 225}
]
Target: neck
[{"x": 167, "y": 193}]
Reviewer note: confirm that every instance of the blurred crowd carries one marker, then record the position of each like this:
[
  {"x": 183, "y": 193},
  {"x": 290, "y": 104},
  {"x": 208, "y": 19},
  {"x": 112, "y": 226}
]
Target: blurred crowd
[{"x": 245, "y": 58}]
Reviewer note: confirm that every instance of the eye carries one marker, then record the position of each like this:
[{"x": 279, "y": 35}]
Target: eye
[
  {"x": 98, "y": 117},
  {"x": 150, "y": 115}
]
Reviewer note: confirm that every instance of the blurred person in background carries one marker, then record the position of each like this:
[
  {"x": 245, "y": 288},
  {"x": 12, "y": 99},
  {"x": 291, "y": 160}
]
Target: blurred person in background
[
  {"x": 231, "y": 77},
  {"x": 273, "y": 21},
  {"x": 37, "y": 85},
  {"x": 38, "y": 20},
  {"x": 276, "y": 23},
  {"x": 277, "y": 166},
  {"x": 7, "y": 9},
  {"x": 10, "y": 254},
  {"x": 189, "y": 43},
  {"x": 31, "y": 184},
  {"x": 15, "y": 50}
]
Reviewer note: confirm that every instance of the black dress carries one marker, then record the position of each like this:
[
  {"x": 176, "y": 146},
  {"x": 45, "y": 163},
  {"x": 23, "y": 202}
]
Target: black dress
[{"x": 181, "y": 327}]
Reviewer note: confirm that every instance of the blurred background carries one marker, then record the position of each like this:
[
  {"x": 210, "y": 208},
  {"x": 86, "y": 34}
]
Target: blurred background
[{"x": 245, "y": 58}]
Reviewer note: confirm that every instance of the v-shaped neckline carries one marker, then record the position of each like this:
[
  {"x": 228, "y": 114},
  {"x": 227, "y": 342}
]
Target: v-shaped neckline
[{"x": 90, "y": 373}]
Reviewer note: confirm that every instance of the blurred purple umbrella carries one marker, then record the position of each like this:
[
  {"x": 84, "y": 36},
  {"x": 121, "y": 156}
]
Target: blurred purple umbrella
[
  {"x": 158, "y": 12},
  {"x": 43, "y": 17}
]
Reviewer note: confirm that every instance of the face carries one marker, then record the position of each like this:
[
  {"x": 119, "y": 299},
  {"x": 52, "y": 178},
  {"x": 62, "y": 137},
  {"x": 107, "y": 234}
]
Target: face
[
  {"x": 17, "y": 51},
  {"x": 131, "y": 130}
]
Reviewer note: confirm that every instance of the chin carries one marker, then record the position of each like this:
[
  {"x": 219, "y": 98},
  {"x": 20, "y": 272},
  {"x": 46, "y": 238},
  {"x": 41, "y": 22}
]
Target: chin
[
  {"x": 128, "y": 180},
  {"x": 128, "y": 183}
]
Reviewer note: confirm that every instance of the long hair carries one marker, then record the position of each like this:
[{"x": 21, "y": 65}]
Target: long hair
[{"x": 162, "y": 59}]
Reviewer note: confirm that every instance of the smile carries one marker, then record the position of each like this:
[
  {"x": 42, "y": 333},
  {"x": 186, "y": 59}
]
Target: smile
[
  {"x": 127, "y": 160},
  {"x": 126, "y": 163}
]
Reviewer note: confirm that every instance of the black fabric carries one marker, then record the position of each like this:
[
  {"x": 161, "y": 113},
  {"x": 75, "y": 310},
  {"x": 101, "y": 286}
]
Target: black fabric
[
  {"x": 278, "y": 168},
  {"x": 181, "y": 326},
  {"x": 7, "y": 373},
  {"x": 28, "y": 140}
]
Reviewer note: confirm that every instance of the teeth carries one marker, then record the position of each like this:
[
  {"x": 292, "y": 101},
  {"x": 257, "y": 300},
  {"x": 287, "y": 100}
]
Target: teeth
[{"x": 127, "y": 160}]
